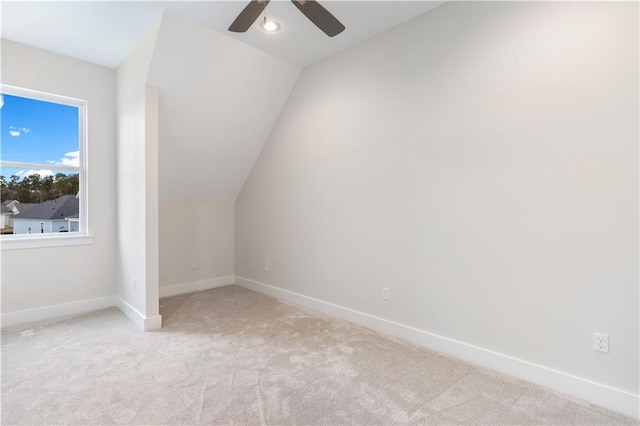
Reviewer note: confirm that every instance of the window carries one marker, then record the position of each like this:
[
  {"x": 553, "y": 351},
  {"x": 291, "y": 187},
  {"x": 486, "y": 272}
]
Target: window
[{"x": 42, "y": 169}]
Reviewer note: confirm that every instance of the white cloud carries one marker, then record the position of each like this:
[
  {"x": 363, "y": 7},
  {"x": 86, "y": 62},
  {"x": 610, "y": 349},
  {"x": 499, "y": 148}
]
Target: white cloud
[
  {"x": 69, "y": 159},
  {"x": 42, "y": 173},
  {"x": 18, "y": 131}
]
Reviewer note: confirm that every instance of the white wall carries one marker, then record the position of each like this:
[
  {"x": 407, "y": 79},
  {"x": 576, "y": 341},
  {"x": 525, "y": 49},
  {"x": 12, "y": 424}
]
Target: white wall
[
  {"x": 152, "y": 255},
  {"x": 38, "y": 278},
  {"x": 203, "y": 232},
  {"x": 218, "y": 100},
  {"x": 481, "y": 161},
  {"x": 137, "y": 173}
]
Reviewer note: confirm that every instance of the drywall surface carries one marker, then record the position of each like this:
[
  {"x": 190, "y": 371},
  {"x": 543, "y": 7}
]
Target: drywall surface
[
  {"x": 133, "y": 175},
  {"x": 219, "y": 99},
  {"x": 36, "y": 278},
  {"x": 201, "y": 232},
  {"x": 151, "y": 203},
  {"x": 480, "y": 161}
]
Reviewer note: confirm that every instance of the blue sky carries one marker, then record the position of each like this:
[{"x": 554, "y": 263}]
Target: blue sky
[{"x": 37, "y": 132}]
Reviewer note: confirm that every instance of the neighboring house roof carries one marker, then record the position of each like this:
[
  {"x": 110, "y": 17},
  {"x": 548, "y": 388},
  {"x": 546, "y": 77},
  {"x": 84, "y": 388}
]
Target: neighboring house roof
[
  {"x": 23, "y": 207},
  {"x": 7, "y": 206},
  {"x": 60, "y": 208},
  {"x": 15, "y": 206}
]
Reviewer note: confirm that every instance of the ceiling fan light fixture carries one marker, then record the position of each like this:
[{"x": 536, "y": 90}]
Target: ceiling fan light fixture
[{"x": 269, "y": 25}]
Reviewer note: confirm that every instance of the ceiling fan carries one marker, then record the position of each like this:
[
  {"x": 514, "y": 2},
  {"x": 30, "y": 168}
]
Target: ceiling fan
[{"x": 309, "y": 8}]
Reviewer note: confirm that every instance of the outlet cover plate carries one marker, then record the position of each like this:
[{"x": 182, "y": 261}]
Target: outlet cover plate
[
  {"x": 601, "y": 342},
  {"x": 385, "y": 293}
]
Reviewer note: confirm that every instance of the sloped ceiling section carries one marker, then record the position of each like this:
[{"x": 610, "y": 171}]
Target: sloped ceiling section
[{"x": 219, "y": 99}]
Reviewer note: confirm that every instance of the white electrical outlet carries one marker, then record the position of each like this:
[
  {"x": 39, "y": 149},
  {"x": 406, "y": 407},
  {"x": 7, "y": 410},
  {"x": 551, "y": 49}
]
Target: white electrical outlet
[
  {"x": 266, "y": 266},
  {"x": 134, "y": 284},
  {"x": 601, "y": 342},
  {"x": 194, "y": 264},
  {"x": 385, "y": 293}
]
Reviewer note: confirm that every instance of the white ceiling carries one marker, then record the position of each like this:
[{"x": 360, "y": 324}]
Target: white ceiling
[
  {"x": 215, "y": 110},
  {"x": 105, "y": 32}
]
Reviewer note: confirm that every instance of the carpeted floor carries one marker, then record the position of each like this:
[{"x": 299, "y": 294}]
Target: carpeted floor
[{"x": 232, "y": 356}]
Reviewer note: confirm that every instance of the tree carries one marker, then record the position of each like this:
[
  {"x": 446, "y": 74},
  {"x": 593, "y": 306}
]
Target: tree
[
  {"x": 37, "y": 189},
  {"x": 12, "y": 188},
  {"x": 34, "y": 182},
  {"x": 47, "y": 188},
  {"x": 24, "y": 192},
  {"x": 3, "y": 189}
]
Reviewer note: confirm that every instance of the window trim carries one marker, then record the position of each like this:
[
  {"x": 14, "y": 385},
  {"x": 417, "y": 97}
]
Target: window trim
[
  {"x": 56, "y": 239},
  {"x": 30, "y": 241}
]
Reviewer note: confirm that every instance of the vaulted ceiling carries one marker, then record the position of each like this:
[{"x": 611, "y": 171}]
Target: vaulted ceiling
[
  {"x": 105, "y": 32},
  {"x": 218, "y": 101},
  {"x": 220, "y": 93}
]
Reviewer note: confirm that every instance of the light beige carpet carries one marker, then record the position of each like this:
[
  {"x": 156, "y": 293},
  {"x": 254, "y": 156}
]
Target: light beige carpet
[{"x": 232, "y": 356}]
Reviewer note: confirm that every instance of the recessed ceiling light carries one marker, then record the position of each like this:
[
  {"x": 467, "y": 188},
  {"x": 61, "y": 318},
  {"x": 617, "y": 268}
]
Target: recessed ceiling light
[{"x": 269, "y": 25}]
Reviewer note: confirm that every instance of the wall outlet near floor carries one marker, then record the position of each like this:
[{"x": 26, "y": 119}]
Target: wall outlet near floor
[
  {"x": 601, "y": 342},
  {"x": 266, "y": 266},
  {"x": 194, "y": 264},
  {"x": 385, "y": 293}
]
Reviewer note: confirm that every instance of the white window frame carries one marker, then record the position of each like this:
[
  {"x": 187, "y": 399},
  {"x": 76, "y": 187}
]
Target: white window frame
[{"x": 83, "y": 236}]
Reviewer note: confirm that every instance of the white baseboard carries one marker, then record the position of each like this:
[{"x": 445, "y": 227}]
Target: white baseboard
[
  {"x": 606, "y": 396},
  {"x": 56, "y": 311},
  {"x": 190, "y": 287},
  {"x": 143, "y": 323}
]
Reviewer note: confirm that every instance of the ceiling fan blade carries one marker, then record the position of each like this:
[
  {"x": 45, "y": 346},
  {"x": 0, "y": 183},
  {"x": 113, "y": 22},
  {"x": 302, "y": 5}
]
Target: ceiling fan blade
[
  {"x": 248, "y": 16},
  {"x": 320, "y": 16}
]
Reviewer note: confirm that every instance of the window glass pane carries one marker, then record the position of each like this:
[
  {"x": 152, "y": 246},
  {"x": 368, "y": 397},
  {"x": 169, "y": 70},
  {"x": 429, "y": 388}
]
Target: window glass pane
[
  {"x": 34, "y": 203},
  {"x": 41, "y": 195},
  {"x": 36, "y": 131}
]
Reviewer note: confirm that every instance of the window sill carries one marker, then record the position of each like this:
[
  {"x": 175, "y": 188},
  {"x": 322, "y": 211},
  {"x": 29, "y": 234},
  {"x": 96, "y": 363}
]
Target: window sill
[{"x": 30, "y": 242}]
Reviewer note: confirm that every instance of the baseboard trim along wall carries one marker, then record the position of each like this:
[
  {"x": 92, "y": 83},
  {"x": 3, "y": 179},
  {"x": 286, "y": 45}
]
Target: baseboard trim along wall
[
  {"x": 56, "y": 311},
  {"x": 596, "y": 393},
  {"x": 81, "y": 307},
  {"x": 143, "y": 323},
  {"x": 190, "y": 287}
]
